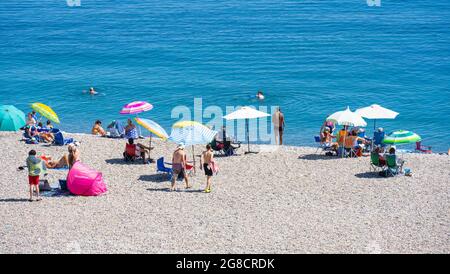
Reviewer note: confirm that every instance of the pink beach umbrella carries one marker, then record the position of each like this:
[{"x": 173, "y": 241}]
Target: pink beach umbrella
[{"x": 136, "y": 107}]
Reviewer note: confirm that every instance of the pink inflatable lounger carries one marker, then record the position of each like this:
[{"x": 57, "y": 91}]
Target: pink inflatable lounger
[{"x": 85, "y": 181}]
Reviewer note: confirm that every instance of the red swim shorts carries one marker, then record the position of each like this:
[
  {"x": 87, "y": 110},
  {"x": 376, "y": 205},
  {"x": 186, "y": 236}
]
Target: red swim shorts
[{"x": 33, "y": 180}]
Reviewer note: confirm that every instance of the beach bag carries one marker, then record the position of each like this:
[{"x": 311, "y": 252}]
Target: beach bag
[{"x": 44, "y": 185}]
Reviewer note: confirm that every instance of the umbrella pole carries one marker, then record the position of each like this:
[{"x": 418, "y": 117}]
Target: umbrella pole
[
  {"x": 248, "y": 135},
  {"x": 193, "y": 157},
  {"x": 150, "y": 149},
  {"x": 343, "y": 143}
]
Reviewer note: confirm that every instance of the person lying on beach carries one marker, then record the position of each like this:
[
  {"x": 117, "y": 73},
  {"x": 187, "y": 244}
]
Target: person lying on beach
[
  {"x": 35, "y": 167},
  {"x": 63, "y": 162},
  {"x": 179, "y": 162},
  {"x": 133, "y": 151},
  {"x": 97, "y": 129},
  {"x": 44, "y": 134},
  {"x": 206, "y": 164},
  {"x": 74, "y": 155}
]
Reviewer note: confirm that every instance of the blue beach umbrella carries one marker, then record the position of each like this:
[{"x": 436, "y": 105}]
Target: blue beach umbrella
[
  {"x": 190, "y": 133},
  {"x": 11, "y": 118}
]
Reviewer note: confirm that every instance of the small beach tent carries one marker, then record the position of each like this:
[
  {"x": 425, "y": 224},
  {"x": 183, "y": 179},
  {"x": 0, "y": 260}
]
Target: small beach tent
[
  {"x": 347, "y": 118},
  {"x": 84, "y": 181},
  {"x": 11, "y": 118},
  {"x": 246, "y": 113}
]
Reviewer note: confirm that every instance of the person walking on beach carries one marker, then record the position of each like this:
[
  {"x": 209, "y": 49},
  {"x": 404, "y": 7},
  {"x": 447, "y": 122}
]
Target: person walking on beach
[
  {"x": 35, "y": 167},
  {"x": 206, "y": 163},
  {"x": 278, "y": 126},
  {"x": 179, "y": 166}
]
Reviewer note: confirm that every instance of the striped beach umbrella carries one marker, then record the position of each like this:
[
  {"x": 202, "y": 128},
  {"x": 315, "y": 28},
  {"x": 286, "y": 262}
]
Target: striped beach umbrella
[
  {"x": 45, "y": 111},
  {"x": 153, "y": 127},
  {"x": 136, "y": 107},
  {"x": 190, "y": 133},
  {"x": 401, "y": 137},
  {"x": 11, "y": 118}
]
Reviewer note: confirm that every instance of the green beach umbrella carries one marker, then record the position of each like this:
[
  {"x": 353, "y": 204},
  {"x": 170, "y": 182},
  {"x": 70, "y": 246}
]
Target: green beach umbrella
[
  {"x": 11, "y": 118},
  {"x": 401, "y": 137}
]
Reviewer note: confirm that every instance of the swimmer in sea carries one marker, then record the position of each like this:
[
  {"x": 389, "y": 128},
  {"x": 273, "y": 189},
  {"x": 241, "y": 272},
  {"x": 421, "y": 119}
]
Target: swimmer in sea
[
  {"x": 260, "y": 95},
  {"x": 92, "y": 91}
]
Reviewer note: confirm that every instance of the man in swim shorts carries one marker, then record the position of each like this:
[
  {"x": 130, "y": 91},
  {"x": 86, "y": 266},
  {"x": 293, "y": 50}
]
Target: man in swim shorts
[
  {"x": 206, "y": 162},
  {"x": 179, "y": 166}
]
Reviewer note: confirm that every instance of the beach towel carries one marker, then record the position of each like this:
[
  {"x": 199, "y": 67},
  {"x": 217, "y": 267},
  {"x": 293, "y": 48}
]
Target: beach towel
[
  {"x": 133, "y": 134},
  {"x": 214, "y": 167},
  {"x": 85, "y": 181},
  {"x": 60, "y": 140}
]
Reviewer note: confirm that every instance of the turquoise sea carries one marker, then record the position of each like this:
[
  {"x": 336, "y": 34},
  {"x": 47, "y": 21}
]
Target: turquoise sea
[{"x": 310, "y": 57}]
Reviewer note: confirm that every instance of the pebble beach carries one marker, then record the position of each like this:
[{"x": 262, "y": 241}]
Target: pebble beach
[{"x": 281, "y": 200}]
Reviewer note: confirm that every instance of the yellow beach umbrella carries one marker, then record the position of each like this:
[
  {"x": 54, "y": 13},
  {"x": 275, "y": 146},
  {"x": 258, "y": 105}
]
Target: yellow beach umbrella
[{"x": 45, "y": 111}]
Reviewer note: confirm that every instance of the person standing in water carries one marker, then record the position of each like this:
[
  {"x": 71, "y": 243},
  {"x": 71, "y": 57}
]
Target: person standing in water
[
  {"x": 206, "y": 163},
  {"x": 278, "y": 126}
]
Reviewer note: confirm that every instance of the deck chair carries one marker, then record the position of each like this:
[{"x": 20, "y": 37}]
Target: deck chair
[
  {"x": 393, "y": 167},
  {"x": 375, "y": 161},
  {"x": 423, "y": 149},
  {"x": 325, "y": 147},
  {"x": 161, "y": 168}
]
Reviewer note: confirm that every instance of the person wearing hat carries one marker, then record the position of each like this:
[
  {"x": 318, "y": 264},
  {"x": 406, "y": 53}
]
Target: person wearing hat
[{"x": 179, "y": 162}]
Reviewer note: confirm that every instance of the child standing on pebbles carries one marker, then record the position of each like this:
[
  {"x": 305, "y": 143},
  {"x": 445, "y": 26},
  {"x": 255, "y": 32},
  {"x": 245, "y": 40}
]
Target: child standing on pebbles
[{"x": 35, "y": 168}]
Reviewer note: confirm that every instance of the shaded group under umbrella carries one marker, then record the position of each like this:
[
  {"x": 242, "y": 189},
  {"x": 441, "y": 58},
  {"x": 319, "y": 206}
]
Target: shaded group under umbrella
[
  {"x": 347, "y": 118},
  {"x": 154, "y": 128},
  {"x": 136, "y": 107}
]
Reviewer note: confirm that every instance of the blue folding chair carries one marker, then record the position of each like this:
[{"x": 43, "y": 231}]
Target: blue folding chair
[
  {"x": 160, "y": 167},
  {"x": 323, "y": 146}
]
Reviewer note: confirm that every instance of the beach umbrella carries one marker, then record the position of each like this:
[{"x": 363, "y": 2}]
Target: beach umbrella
[
  {"x": 376, "y": 112},
  {"x": 136, "y": 107},
  {"x": 401, "y": 137},
  {"x": 154, "y": 128},
  {"x": 347, "y": 118},
  {"x": 45, "y": 111},
  {"x": 11, "y": 118},
  {"x": 246, "y": 113},
  {"x": 191, "y": 133}
]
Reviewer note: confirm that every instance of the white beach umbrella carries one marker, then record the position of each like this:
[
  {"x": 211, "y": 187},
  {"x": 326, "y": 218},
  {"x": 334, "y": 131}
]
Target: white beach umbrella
[
  {"x": 376, "y": 112},
  {"x": 347, "y": 118},
  {"x": 246, "y": 113}
]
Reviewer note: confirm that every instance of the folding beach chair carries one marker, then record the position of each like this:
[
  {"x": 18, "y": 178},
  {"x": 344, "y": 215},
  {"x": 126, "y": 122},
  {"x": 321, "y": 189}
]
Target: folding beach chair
[
  {"x": 423, "y": 149},
  {"x": 324, "y": 146},
  {"x": 161, "y": 168},
  {"x": 60, "y": 140},
  {"x": 393, "y": 166},
  {"x": 375, "y": 162}
]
